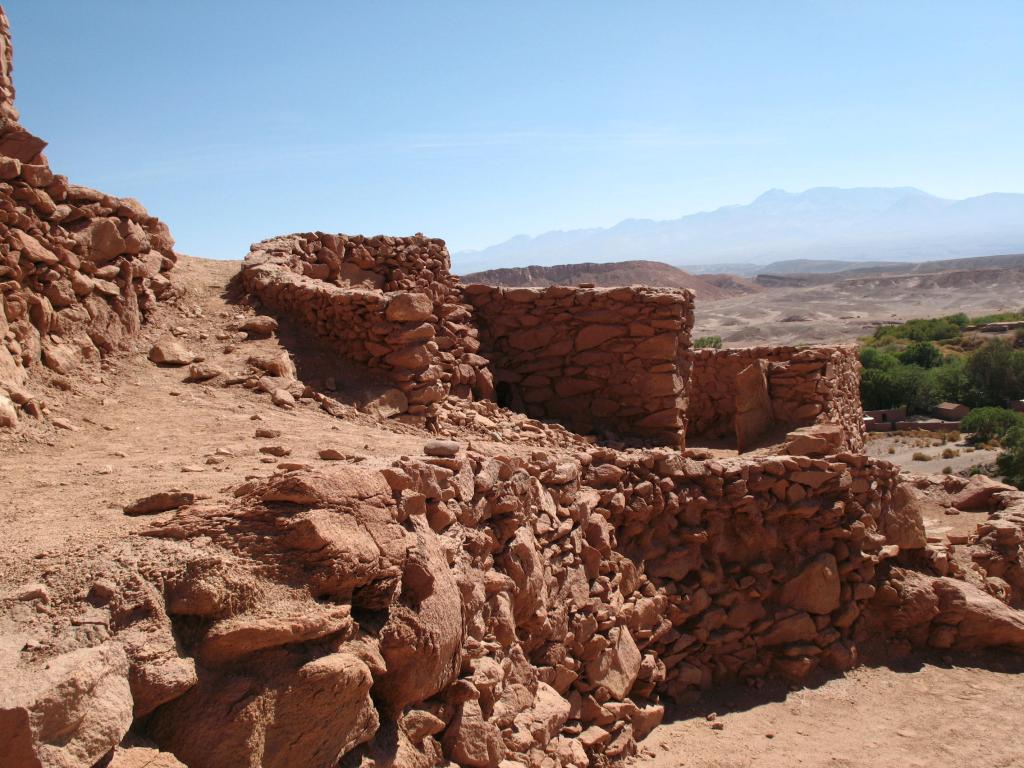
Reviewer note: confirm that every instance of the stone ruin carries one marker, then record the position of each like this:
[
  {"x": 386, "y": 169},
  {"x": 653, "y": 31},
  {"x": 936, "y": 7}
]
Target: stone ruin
[
  {"x": 79, "y": 269},
  {"x": 617, "y": 361},
  {"x": 520, "y": 608}
]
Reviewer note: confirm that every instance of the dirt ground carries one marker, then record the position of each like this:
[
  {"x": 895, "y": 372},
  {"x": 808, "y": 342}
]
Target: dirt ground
[
  {"x": 900, "y": 450},
  {"x": 915, "y": 715},
  {"x": 137, "y": 428}
]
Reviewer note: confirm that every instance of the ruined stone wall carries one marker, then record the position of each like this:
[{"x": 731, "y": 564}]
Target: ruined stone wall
[
  {"x": 610, "y": 359},
  {"x": 807, "y": 386},
  {"x": 387, "y": 303},
  {"x": 501, "y": 607},
  {"x": 79, "y": 269}
]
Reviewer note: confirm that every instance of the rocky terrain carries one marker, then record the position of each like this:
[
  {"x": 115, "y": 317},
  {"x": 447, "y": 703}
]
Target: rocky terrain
[{"x": 289, "y": 512}]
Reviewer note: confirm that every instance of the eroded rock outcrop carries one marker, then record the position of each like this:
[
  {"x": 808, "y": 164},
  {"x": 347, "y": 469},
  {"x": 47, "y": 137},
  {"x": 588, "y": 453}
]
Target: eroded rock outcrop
[{"x": 79, "y": 269}]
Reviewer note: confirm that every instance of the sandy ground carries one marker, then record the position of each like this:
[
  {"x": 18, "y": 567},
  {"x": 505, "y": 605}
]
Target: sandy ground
[
  {"x": 849, "y": 309},
  {"x": 900, "y": 450},
  {"x": 138, "y": 429},
  {"x": 915, "y": 715}
]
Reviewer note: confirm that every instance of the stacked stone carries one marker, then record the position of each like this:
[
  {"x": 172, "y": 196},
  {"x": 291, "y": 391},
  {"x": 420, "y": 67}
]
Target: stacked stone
[
  {"x": 765, "y": 566},
  {"x": 810, "y": 385},
  {"x": 611, "y": 359},
  {"x": 387, "y": 303},
  {"x": 79, "y": 269}
]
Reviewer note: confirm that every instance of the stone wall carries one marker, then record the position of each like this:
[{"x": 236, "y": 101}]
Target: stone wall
[
  {"x": 79, "y": 269},
  {"x": 607, "y": 359},
  {"x": 808, "y": 385},
  {"x": 387, "y": 303},
  {"x": 497, "y": 608}
]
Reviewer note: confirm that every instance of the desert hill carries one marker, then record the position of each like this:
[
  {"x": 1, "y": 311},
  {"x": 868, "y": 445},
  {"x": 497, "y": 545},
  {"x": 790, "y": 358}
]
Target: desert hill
[{"x": 652, "y": 273}]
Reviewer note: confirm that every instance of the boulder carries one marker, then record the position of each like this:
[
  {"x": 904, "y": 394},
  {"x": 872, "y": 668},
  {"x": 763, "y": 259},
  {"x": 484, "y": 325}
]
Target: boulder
[
  {"x": 276, "y": 364},
  {"x": 170, "y": 352},
  {"x": 978, "y": 493},
  {"x": 408, "y": 307},
  {"x": 390, "y": 402},
  {"x": 8, "y": 413},
  {"x": 816, "y": 588},
  {"x": 260, "y": 326},
  {"x": 69, "y": 714},
  {"x": 903, "y": 523},
  {"x": 284, "y": 713},
  {"x": 616, "y": 668}
]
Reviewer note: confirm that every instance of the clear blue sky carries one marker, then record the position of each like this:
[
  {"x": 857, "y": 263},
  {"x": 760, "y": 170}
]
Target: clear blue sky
[{"x": 476, "y": 121}]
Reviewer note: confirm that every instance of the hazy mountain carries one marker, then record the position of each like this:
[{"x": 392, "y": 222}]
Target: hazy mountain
[{"x": 825, "y": 223}]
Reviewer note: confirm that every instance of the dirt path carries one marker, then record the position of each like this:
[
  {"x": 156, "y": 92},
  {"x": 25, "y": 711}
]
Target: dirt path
[{"x": 872, "y": 718}]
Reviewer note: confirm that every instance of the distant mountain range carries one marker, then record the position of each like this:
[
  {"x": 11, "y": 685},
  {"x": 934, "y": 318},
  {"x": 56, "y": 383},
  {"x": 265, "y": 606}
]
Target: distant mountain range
[
  {"x": 652, "y": 273},
  {"x": 875, "y": 225}
]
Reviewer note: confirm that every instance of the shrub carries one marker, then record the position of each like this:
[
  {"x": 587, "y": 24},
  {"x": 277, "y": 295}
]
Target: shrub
[
  {"x": 949, "y": 453},
  {"x": 708, "y": 342},
  {"x": 1011, "y": 461},
  {"x": 921, "y": 457},
  {"x": 990, "y": 423},
  {"x": 947, "y": 470},
  {"x": 922, "y": 353}
]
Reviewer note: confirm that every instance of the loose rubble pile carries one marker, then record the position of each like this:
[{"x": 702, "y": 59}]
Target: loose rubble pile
[
  {"x": 79, "y": 269},
  {"x": 615, "y": 359},
  {"x": 807, "y": 386}
]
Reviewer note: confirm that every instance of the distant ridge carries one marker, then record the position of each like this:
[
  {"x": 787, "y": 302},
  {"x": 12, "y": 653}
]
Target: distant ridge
[
  {"x": 651, "y": 273},
  {"x": 862, "y": 225}
]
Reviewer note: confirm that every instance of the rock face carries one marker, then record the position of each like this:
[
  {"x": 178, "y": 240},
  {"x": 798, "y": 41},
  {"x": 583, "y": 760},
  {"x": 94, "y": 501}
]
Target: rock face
[
  {"x": 79, "y": 270},
  {"x": 612, "y": 359}
]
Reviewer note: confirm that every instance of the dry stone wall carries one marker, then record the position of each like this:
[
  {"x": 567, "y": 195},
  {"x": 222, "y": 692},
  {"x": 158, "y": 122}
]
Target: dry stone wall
[
  {"x": 811, "y": 385},
  {"x": 609, "y": 359},
  {"x": 388, "y": 303},
  {"x": 481, "y": 608},
  {"x": 79, "y": 269}
]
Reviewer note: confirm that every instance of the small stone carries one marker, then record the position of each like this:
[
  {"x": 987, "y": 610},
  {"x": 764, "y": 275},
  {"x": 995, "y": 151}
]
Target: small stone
[
  {"x": 170, "y": 352},
  {"x": 260, "y": 326},
  {"x": 275, "y": 450},
  {"x": 61, "y": 423},
  {"x": 202, "y": 372},
  {"x": 268, "y": 433},
  {"x": 442, "y": 448},
  {"x": 282, "y": 398},
  {"x": 331, "y": 454},
  {"x": 160, "y": 502}
]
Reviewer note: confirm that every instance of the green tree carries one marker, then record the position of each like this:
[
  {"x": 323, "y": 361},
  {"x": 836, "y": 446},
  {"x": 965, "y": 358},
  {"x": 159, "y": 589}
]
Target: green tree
[
  {"x": 1011, "y": 460},
  {"x": 995, "y": 373},
  {"x": 922, "y": 353},
  {"x": 990, "y": 422},
  {"x": 873, "y": 357}
]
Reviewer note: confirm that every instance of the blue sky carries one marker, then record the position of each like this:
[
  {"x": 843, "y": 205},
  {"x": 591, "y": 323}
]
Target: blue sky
[{"x": 476, "y": 121}]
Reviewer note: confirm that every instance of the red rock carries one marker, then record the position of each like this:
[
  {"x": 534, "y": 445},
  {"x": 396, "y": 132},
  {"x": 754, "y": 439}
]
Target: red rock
[{"x": 816, "y": 588}]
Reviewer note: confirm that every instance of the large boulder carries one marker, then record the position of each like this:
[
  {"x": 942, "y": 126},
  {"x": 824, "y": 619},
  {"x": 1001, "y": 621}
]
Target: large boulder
[
  {"x": 903, "y": 523},
  {"x": 279, "y": 712},
  {"x": 67, "y": 715}
]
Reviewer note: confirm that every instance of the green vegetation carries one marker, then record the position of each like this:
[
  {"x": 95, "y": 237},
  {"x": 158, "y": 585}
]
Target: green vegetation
[
  {"x": 708, "y": 342},
  {"x": 924, "y": 362},
  {"x": 991, "y": 423},
  {"x": 1011, "y": 461}
]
